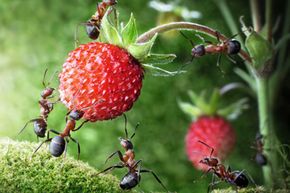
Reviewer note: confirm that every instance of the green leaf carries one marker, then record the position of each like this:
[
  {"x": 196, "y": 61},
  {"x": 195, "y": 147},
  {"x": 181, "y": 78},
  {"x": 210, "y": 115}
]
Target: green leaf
[
  {"x": 129, "y": 33},
  {"x": 109, "y": 33},
  {"x": 141, "y": 50},
  {"x": 189, "y": 109},
  {"x": 158, "y": 59}
]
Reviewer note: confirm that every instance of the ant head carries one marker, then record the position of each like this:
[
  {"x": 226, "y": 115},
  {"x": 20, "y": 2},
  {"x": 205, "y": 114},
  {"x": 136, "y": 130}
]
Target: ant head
[
  {"x": 240, "y": 179},
  {"x": 198, "y": 51},
  {"x": 92, "y": 29},
  {"x": 130, "y": 180},
  {"x": 126, "y": 143},
  {"x": 47, "y": 92},
  {"x": 111, "y": 2},
  {"x": 234, "y": 46},
  {"x": 57, "y": 146},
  {"x": 259, "y": 136},
  {"x": 76, "y": 114},
  {"x": 40, "y": 128}
]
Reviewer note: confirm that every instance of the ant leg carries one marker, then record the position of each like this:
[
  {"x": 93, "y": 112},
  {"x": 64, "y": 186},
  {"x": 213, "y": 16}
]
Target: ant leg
[
  {"x": 111, "y": 168},
  {"x": 115, "y": 153},
  {"x": 218, "y": 63},
  {"x": 65, "y": 148},
  {"x": 30, "y": 121},
  {"x": 155, "y": 176},
  {"x": 231, "y": 59},
  {"x": 212, "y": 149},
  {"x": 80, "y": 125},
  {"x": 137, "y": 125},
  {"x": 202, "y": 39},
  {"x": 217, "y": 34},
  {"x": 47, "y": 140},
  {"x": 191, "y": 42},
  {"x": 79, "y": 147}
]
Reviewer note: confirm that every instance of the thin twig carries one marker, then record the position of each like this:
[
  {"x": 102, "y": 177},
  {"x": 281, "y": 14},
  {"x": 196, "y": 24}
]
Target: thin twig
[{"x": 256, "y": 15}]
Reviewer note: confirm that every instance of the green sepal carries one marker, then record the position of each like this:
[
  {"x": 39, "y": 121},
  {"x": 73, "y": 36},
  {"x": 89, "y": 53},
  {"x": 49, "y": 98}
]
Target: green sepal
[
  {"x": 259, "y": 48},
  {"x": 129, "y": 32},
  {"x": 189, "y": 109},
  {"x": 199, "y": 101},
  {"x": 141, "y": 50},
  {"x": 233, "y": 110},
  {"x": 109, "y": 33},
  {"x": 158, "y": 58},
  {"x": 156, "y": 71}
]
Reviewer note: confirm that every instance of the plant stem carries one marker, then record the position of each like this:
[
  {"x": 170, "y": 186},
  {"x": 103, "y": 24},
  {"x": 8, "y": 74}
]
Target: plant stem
[
  {"x": 268, "y": 18},
  {"x": 271, "y": 170},
  {"x": 256, "y": 15},
  {"x": 187, "y": 26}
]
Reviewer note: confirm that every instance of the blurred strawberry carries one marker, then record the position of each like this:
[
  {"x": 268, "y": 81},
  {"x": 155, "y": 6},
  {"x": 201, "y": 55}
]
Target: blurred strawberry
[
  {"x": 210, "y": 126},
  {"x": 104, "y": 78}
]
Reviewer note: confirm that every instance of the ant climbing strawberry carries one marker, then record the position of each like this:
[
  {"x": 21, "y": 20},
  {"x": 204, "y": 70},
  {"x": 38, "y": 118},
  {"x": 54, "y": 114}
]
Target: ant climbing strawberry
[
  {"x": 46, "y": 106},
  {"x": 235, "y": 178},
  {"x": 93, "y": 25},
  {"x": 58, "y": 144},
  {"x": 133, "y": 176}
]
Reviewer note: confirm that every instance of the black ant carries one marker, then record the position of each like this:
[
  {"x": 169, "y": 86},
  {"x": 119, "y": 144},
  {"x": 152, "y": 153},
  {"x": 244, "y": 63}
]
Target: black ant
[
  {"x": 228, "y": 47},
  {"x": 40, "y": 124},
  {"x": 93, "y": 25},
  {"x": 58, "y": 143},
  {"x": 133, "y": 177},
  {"x": 236, "y": 178},
  {"x": 260, "y": 158}
]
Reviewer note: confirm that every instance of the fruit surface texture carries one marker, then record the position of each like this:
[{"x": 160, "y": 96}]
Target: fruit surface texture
[
  {"x": 216, "y": 132},
  {"x": 101, "y": 79}
]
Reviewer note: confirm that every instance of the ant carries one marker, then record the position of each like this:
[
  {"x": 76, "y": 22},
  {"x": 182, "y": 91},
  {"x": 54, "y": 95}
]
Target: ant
[
  {"x": 58, "y": 143},
  {"x": 133, "y": 176},
  {"x": 40, "y": 124},
  {"x": 93, "y": 25},
  {"x": 236, "y": 178},
  {"x": 260, "y": 158},
  {"x": 228, "y": 47}
]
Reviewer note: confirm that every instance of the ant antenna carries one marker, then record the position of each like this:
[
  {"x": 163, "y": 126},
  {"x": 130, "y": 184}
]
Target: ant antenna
[
  {"x": 212, "y": 149},
  {"x": 126, "y": 132},
  {"x": 191, "y": 42},
  {"x": 44, "y": 77},
  {"x": 138, "y": 124}
]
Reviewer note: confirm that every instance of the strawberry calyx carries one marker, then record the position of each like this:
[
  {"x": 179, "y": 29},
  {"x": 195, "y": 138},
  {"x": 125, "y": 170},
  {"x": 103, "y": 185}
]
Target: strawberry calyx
[
  {"x": 209, "y": 105},
  {"x": 126, "y": 38}
]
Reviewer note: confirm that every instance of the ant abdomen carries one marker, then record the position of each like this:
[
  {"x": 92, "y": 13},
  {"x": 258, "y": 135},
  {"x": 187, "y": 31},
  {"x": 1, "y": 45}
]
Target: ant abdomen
[
  {"x": 92, "y": 31},
  {"x": 40, "y": 127},
  {"x": 130, "y": 180},
  {"x": 261, "y": 159},
  {"x": 241, "y": 180},
  {"x": 57, "y": 146},
  {"x": 233, "y": 46},
  {"x": 198, "y": 51}
]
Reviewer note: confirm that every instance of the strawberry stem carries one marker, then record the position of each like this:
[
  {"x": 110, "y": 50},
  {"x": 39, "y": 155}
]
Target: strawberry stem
[{"x": 187, "y": 26}]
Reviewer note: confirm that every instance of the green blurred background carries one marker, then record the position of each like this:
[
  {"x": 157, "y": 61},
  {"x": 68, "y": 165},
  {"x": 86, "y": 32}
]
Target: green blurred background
[{"x": 38, "y": 34}]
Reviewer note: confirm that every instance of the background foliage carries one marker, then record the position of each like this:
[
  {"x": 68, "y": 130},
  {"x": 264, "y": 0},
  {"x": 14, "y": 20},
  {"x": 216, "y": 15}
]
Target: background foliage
[{"x": 38, "y": 34}]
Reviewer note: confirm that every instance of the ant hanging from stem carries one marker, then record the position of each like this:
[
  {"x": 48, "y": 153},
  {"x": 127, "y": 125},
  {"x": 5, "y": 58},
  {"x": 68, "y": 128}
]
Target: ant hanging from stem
[
  {"x": 93, "y": 25},
  {"x": 260, "y": 158},
  {"x": 133, "y": 177},
  {"x": 228, "y": 47},
  {"x": 40, "y": 124},
  {"x": 235, "y": 178},
  {"x": 58, "y": 144}
]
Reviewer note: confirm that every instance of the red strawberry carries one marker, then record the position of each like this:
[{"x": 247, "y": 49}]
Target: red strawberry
[
  {"x": 104, "y": 79},
  {"x": 214, "y": 131},
  {"x": 211, "y": 127},
  {"x": 100, "y": 72}
]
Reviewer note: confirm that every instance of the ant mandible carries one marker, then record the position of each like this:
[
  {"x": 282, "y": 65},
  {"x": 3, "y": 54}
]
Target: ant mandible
[
  {"x": 260, "y": 158},
  {"x": 40, "y": 124},
  {"x": 228, "y": 47},
  {"x": 133, "y": 177},
  {"x": 236, "y": 178},
  {"x": 58, "y": 143}
]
